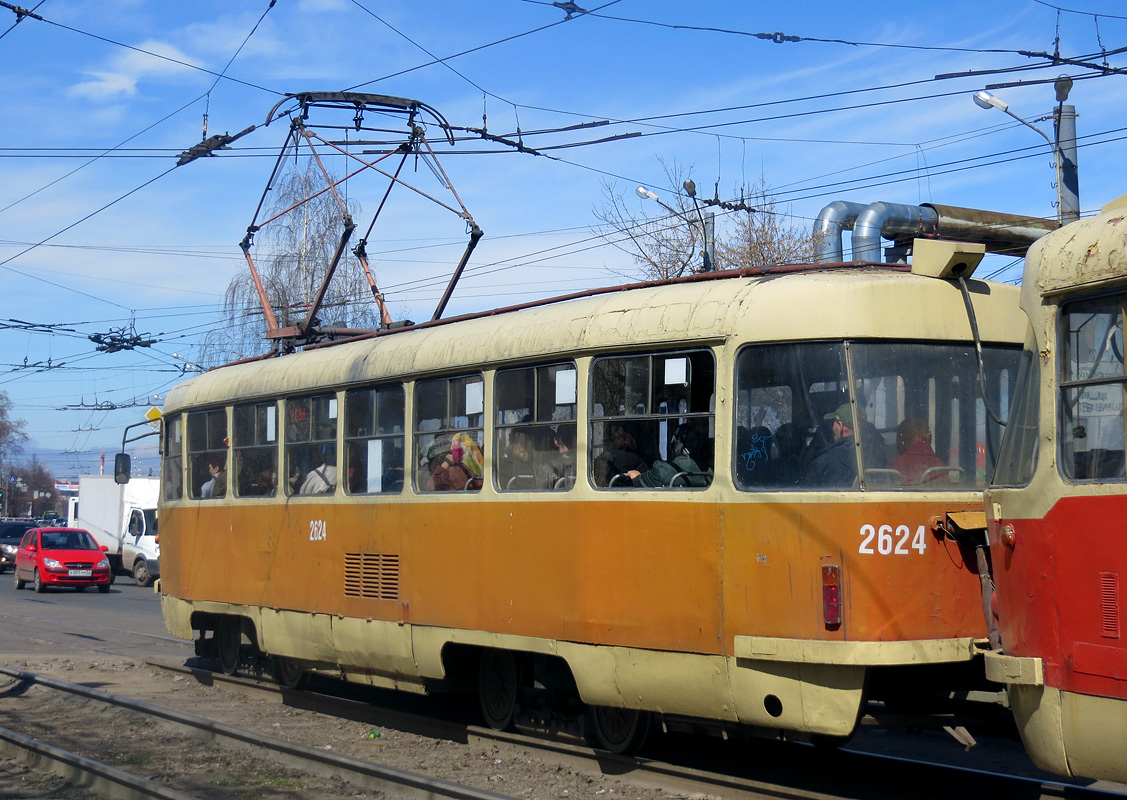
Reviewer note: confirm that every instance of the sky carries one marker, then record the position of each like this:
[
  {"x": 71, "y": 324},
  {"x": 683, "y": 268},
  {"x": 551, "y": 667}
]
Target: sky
[{"x": 102, "y": 235}]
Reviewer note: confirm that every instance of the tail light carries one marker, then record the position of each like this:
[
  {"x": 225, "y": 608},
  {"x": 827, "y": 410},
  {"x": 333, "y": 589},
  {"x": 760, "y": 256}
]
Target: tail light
[{"x": 831, "y": 596}]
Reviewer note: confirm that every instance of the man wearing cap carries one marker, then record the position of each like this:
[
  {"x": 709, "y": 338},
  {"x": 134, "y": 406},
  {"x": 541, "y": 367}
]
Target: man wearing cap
[{"x": 836, "y": 466}]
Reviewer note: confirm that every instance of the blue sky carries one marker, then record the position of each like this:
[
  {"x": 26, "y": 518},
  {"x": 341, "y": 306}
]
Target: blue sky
[{"x": 691, "y": 79}]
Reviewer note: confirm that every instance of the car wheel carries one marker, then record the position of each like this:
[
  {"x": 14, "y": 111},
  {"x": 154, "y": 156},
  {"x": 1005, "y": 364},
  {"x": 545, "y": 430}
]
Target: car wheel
[
  {"x": 2, "y": 568},
  {"x": 19, "y": 583},
  {"x": 141, "y": 574},
  {"x": 37, "y": 582},
  {"x": 104, "y": 588}
]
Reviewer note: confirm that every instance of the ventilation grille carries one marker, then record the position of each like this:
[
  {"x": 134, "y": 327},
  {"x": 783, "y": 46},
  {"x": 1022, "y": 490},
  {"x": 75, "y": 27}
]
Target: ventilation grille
[
  {"x": 371, "y": 575},
  {"x": 1109, "y": 605}
]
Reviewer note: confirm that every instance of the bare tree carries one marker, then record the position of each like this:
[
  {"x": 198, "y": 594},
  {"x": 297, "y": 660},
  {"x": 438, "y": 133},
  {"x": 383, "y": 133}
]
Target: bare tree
[
  {"x": 665, "y": 238},
  {"x": 661, "y": 239},
  {"x": 297, "y": 249},
  {"x": 12, "y": 435}
]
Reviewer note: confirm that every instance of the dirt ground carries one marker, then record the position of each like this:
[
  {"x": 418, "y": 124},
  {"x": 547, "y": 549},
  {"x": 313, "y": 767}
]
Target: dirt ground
[{"x": 147, "y": 748}]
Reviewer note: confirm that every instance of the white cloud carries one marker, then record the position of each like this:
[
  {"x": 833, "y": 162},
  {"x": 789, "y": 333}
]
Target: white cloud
[
  {"x": 104, "y": 85},
  {"x": 129, "y": 67}
]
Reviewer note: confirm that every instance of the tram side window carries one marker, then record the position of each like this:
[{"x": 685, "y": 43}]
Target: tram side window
[
  {"x": 653, "y": 420},
  {"x": 255, "y": 429},
  {"x": 374, "y": 439},
  {"x": 450, "y": 434},
  {"x": 173, "y": 458},
  {"x": 1017, "y": 456},
  {"x": 535, "y": 431},
  {"x": 311, "y": 444},
  {"x": 207, "y": 454},
  {"x": 1092, "y": 386},
  {"x": 786, "y": 396}
]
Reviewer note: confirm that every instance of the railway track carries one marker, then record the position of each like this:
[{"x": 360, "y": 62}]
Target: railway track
[
  {"x": 694, "y": 766},
  {"x": 116, "y": 783}
]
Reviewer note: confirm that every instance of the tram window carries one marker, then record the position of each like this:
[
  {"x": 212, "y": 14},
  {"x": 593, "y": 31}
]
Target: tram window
[
  {"x": 450, "y": 434},
  {"x": 173, "y": 458},
  {"x": 311, "y": 444},
  {"x": 1092, "y": 386},
  {"x": 535, "y": 430},
  {"x": 207, "y": 454},
  {"x": 783, "y": 394},
  {"x": 374, "y": 439},
  {"x": 1017, "y": 456},
  {"x": 653, "y": 420},
  {"x": 255, "y": 428},
  {"x": 926, "y": 412}
]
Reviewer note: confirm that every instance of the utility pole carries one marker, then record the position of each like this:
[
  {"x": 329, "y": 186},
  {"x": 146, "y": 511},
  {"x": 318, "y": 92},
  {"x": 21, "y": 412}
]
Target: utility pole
[{"x": 1064, "y": 126}]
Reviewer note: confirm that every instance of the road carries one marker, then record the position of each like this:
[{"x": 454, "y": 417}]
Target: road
[{"x": 125, "y": 623}]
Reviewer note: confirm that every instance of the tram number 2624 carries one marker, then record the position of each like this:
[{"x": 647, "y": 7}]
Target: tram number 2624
[
  {"x": 885, "y": 540},
  {"x": 318, "y": 530}
]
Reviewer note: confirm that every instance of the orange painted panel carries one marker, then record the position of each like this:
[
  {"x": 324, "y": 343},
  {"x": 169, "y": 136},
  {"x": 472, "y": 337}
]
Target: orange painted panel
[{"x": 682, "y": 575}]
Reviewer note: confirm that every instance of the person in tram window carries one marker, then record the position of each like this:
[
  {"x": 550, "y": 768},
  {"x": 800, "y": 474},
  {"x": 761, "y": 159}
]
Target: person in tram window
[
  {"x": 559, "y": 471},
  {"x": 322, "y": 479},
  {"x": 216, "y": 485},
  {"x": 453, "y": 464},
  {"x": 836, "y": 466},
  {"x": 620, "y": 458},
  {"x": 664, "y": 474},
  {"x": 913, "y": 441}
]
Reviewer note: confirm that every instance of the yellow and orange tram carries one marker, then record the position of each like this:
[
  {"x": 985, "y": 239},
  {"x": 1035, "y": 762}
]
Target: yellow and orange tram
[{"x": 618, "y": 502}]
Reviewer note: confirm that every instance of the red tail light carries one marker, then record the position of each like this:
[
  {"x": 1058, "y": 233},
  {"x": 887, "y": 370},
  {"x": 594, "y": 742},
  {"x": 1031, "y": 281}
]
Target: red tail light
[{"x": 831, "y": 595}]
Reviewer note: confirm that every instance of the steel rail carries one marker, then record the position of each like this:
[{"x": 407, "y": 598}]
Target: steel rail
[
  {"x": 357, "y": 771},
  {"x": 667, "y": 775},
  {"x": 85, "y": 772}
]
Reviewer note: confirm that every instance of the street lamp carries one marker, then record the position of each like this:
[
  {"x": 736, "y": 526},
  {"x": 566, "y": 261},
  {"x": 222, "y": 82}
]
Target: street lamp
[
  {"x": 1068, "y": 194},
  {"x": 707, "y": 226}
]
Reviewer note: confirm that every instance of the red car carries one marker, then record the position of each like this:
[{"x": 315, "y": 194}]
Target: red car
[{"x": 61, "y": 557}]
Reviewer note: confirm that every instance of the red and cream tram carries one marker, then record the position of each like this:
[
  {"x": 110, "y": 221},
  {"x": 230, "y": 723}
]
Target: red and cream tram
[
  {"x": 1058, "y": 506},
  {"x": 477, "y": 503}
]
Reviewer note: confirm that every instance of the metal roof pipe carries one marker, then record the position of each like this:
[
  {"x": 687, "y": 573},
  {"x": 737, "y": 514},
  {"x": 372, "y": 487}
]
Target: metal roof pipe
[
  {"x": 889, "y": 220},
  {"x": 1001, "y": 233},
  {"x": 832, "y": 220}
]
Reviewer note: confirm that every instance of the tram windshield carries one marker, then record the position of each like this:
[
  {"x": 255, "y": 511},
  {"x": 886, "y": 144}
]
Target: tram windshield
[
  {"x": 914, "y": 420},
  {"x": 1092, "y": 384}
]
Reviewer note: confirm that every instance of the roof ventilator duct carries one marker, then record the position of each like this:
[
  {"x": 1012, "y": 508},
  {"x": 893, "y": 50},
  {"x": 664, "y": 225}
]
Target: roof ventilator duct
[{"x": 1004, "y": 233}]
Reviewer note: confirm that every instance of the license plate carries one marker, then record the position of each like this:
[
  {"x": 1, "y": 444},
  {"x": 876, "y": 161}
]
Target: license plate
[{"x": 80, "y": 573}]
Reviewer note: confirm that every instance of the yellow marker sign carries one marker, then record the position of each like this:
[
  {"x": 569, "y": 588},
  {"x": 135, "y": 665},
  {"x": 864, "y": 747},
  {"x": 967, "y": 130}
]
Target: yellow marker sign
[{"x": 153, "y": 414}]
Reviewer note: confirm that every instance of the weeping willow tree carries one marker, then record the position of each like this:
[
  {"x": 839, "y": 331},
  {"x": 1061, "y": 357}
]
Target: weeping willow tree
[{"x": 293, "y": 253}]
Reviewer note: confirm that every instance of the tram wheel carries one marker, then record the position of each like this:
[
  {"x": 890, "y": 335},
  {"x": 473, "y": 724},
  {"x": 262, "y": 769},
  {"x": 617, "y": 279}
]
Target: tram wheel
[
  {"x": 497, "y": 688},
  {"x": 228, "y": 638},
  {"x": 289, "y": 673},
  {"x": 617, "y": 730}
]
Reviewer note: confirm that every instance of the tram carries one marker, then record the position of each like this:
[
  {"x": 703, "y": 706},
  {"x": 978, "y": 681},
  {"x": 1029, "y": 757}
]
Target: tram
[
  {"x": 1057, "y": 506},
  {"x": 475, "y": 504}
]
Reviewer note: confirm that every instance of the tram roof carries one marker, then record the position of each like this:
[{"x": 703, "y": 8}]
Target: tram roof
[
  {"x": 817, "y": 302},
  {"x": 1084, "y": 254}
]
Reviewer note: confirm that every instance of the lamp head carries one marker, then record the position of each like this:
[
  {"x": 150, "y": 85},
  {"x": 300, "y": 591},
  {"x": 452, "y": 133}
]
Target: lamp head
[
  {"x": 984, "y": 99},
  {"x": 690, "y": 187},
  {"x": 1063, "y": 85},
  {"x": 645, "y": 193}
]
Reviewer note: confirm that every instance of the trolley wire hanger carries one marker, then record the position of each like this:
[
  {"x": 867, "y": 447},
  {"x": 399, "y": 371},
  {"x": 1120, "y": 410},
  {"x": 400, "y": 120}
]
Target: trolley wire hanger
[{"x": 414, "y": 144}]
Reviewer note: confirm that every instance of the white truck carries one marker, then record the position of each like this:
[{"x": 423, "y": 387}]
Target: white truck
[{"x": 123, "y": 518}]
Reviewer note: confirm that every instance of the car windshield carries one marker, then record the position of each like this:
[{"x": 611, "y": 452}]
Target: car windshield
[{"x": 67, "y": 540}]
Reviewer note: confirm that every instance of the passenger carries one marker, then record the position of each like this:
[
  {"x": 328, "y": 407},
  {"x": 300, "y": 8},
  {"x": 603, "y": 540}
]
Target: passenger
[
  {"x": 789, "y": 443},
  {"x": 913, "y": 441},
  {"x": 664, "y": 474},
  {"x": 621, "y": 456},
  {"x": 559, "y": 471},
  {"x": 453, "y": 470},
  {"x": 216, "y": 485},
  {"x": 836, "y": 466},
  {"x": 322, "y": 479},
  {"x": 515, "y": 470}
]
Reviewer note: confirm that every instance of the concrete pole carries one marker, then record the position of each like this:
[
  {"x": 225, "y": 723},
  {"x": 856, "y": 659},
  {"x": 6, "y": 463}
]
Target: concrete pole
[{"x": 1068, "y": 188}]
